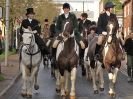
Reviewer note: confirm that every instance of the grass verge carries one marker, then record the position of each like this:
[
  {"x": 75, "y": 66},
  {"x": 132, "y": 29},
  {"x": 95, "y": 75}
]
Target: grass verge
[{"x": 1, "y": 77}]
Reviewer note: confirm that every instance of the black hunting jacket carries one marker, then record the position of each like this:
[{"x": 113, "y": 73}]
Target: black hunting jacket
[
  {"x": 83, "y": 25},
  {"x": 129, "y": 46},
  {"x": 34, "y": 24},
  {"x": 103, "y": 21}
]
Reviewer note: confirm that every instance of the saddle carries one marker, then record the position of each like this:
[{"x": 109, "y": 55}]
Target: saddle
[{"x": 57, "y": 41}]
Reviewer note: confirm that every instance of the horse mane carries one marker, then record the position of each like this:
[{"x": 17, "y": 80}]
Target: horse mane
[{"x": 68, "y": 27}]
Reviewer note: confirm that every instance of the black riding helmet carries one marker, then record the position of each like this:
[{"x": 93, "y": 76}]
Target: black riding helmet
[
  {"x": 109, "y": 5},
  {"x": 66, "y": 5}
]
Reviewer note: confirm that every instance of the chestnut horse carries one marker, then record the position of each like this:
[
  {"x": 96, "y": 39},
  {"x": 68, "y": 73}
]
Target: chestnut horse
[{"x": 112, "y": 55}]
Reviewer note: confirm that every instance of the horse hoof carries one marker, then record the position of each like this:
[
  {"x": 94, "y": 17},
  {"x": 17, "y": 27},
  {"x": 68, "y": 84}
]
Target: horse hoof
[
  {"x": 67, "y": 93},
  {"x": 23, "y": 94},
  {"x": 29, "y": 95},
  {"x": 57, "y": 90},
  {"x": 36, "y": 87},
  {"x": 112, "y": 94},
  {"x": 63, "y": 95},
  {"x": 72, "y": 97},
  {"x": 101, "y": 89},
  {"x": 95, "y": 91}
]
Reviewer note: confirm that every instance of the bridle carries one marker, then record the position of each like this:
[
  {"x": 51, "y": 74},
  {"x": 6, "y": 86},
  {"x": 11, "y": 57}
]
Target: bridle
[{"x": 30, "y": 46}]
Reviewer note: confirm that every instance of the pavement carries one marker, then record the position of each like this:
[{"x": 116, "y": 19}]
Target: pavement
[
  {"x": 10, "y": 73},
  {"x": 10, "y": 88}
]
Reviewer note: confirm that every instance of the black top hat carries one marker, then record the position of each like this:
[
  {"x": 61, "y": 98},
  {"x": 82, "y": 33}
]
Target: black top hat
[{"x": 30, "y": 11}]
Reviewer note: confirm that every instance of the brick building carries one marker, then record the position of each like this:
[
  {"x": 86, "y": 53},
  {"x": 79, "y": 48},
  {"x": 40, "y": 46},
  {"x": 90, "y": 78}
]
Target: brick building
[
  {"x": 101, "y": 6},
  {"x": 128, "y": 17}
]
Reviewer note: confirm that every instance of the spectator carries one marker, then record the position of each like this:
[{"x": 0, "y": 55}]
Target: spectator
[
  {"x": 1, "y": 42},
  {"x": 129, "y": 50}
]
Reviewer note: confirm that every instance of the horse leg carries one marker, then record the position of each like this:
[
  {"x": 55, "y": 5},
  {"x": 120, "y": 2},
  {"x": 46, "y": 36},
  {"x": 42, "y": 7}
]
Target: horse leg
[
  {"x": 66, "y": 82},
  {"x": 115, "y": 72},
  {"x": 93, "y": 73},
  {"x": 53, "y": 68},
  {"x": 111, "y": 89},
  {"x": 87, "y": 69},
  {"x": 62, "y": 82},
  {"x": 73, "y": 79},
  {"x": 24, "y": 77},
  {"x": 29, "y": 85},
  {"x": 31, "y": 81},
  {"x": 100, "y": 72},
  {"x": 36, "y": 86},
  {"x": 86, "y": 64},
  {"x": 57, "y": 75}
]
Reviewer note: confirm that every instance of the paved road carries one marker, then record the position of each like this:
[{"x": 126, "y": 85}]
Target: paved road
[{"x": 83, "y": 88}]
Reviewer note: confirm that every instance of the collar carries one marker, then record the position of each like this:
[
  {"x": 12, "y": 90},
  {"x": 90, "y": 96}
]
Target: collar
[
  {"x": 84, "y": 20},
  {"x": 30, "y": 19},
  {"x": 108, "y": 13},
  {"x": 66, "y": 15}
]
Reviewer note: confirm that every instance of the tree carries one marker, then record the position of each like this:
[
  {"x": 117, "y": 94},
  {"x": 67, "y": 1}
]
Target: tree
[{"x": 43, "y": 9}]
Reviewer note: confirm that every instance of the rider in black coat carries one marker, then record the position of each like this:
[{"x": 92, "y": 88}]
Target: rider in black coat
[
  {"x": 102, "y": 25},
  {"x": 34, "y": 25},
  {"x": 52, "y": 28},
  {"x": 84, "y": 23}
]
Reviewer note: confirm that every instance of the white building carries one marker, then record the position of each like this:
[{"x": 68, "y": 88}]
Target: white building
[{"x": 89, "y": 6}]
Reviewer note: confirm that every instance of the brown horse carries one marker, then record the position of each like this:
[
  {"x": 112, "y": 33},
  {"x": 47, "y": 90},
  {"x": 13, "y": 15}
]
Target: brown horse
[
  {"x": 112, "y": 55},
  {"x": 84, "y": 34},
  {"x": 67, "y": 59}
]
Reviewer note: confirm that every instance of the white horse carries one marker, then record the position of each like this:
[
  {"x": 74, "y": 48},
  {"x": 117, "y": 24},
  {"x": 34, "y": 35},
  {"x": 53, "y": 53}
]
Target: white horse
[{"x": 30, "y": 59}]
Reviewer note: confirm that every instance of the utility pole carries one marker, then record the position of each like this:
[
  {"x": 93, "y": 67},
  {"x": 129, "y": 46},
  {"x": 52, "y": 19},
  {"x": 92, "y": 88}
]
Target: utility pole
[
  {"x": 7, "y": 32},
  {"x": 83, "y": 6},
  {"x": 132, "y": 16}
]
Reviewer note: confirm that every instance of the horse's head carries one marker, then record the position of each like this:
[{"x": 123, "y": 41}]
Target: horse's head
[
  {"x": 67, "y": 28},
  {"x": 28, "y": 37},
  {"x": 86, "y": 31},
  {"x": 111, "y": 30}
]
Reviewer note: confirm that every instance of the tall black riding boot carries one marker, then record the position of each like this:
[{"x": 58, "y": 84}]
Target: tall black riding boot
[
  {"x": 54, "y": 52},
  {"x": 41, "y": 45},
  {"x": 82, "y": 62}
]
